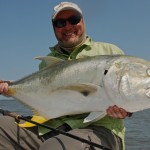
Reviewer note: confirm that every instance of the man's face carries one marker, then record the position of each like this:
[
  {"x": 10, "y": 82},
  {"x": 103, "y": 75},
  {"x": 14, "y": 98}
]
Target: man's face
[{"x": 69, "y": 35}]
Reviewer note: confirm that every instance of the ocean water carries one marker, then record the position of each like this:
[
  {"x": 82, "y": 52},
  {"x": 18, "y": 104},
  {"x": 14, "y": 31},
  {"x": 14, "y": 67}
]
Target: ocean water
[{"x": 137, "y": 126}]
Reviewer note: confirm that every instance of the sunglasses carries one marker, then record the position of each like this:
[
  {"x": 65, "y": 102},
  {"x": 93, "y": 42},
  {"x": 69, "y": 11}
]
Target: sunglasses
[{"x": 73, "y": 20}]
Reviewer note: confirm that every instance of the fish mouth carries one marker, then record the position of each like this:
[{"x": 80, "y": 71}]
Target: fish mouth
[{"x": 147, "y": 92}]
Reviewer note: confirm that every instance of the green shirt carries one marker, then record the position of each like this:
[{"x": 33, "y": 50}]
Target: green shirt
[{"x": 88, "y": 48}]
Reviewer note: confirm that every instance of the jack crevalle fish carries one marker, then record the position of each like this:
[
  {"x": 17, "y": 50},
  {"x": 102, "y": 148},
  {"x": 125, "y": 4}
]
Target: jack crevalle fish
[{"x": 87, "y": 85}]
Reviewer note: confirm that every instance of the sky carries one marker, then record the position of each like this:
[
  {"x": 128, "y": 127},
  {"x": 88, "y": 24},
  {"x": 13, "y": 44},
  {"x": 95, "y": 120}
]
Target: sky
[{"x": 26, "y": 30}]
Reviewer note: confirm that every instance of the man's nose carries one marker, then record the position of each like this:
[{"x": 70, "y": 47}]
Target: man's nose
[{"x": 68, "y": 25}]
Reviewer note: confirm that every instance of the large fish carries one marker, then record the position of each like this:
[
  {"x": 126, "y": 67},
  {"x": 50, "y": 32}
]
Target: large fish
[{"x": 88, "y": 85}]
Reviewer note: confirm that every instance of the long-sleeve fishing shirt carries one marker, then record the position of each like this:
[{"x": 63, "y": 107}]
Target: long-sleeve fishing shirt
[{"x": 88, "y": 48}]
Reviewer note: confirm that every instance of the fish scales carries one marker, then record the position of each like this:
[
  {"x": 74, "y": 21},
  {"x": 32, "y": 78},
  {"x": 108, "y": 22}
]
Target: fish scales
[{"x": 87, "y": 85}]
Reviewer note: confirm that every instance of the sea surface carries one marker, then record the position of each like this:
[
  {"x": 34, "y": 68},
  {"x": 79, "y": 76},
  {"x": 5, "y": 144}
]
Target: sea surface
[{"x": 137, "y": 126}]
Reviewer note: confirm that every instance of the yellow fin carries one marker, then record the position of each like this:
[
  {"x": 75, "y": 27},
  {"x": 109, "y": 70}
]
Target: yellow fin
[
  {"x": 38, "y": 119},
  {"x": 11, "y": 91}
]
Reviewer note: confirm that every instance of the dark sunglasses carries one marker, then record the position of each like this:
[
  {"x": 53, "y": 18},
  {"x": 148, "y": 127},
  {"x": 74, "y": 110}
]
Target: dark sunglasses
[{"x": 73, "y": 20}]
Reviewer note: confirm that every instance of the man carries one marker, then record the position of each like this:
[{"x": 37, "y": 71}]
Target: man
[{"x": 73, "y": 43}]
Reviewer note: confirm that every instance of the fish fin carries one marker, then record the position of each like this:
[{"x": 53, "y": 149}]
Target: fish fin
[
  {"x": 94, "y": 116},
  {"x": 49, "y": 60},
  {"x": 38, "y": 119},
  {"x": 10, "y": 92},
  {"x": 84, "y": 88}
]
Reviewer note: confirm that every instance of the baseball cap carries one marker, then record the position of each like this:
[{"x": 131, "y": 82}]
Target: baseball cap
[{"x": 65, "y": 6}]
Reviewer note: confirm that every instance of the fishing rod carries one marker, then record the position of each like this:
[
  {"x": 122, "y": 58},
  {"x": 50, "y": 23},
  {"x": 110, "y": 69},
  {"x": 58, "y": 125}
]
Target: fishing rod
[{"x": 19, "y": 117}]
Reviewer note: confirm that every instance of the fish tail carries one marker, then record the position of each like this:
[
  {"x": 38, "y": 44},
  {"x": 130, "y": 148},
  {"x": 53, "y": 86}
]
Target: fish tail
[{"x": 11, "y": 91}]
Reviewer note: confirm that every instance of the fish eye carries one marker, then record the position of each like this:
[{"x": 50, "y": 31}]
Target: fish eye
[{"x": 148, "y": 71}]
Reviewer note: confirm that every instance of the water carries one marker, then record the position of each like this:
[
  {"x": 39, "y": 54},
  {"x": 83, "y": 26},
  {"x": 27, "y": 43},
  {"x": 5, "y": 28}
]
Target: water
[
  {"x": 137, "y": 127},
  {"x": 13, "y": 105},
  {"x": 138, "y": 131}
]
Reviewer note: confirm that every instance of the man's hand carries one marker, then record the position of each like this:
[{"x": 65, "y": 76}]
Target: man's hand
[
  {"x": 3, "y": 87},
  {"x": 117, "y": 112}
]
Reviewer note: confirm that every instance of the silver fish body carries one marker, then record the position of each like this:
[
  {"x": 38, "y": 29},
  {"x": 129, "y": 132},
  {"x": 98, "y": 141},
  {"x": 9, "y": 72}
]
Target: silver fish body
[{"x": 88, "y": 85}]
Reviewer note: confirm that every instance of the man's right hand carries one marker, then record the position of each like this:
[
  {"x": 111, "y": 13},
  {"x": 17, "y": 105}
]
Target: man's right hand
[{"x": 3, "y": 87}]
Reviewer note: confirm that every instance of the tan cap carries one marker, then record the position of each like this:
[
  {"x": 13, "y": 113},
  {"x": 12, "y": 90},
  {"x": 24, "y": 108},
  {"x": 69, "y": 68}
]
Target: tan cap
[{"x": 65, "y": 6}]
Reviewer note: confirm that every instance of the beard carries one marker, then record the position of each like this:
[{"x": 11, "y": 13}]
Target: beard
[{"x": 72, "y": 41}]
